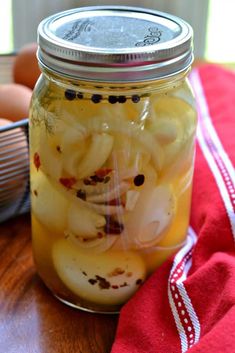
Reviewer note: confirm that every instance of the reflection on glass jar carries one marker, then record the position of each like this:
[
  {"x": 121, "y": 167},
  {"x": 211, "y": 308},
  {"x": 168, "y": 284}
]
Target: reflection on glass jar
[{"x": 111, "y": 178}]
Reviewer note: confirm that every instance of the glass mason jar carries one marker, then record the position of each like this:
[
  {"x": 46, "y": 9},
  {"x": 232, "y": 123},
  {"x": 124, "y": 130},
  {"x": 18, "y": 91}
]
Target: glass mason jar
[{"x": 112, "y": 139}]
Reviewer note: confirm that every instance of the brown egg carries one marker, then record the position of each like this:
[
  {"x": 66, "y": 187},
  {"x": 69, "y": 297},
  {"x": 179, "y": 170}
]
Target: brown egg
[
  {"x": 14, "y": 162},
  {"x": 25, "y": 69},
  {"x": 14, "y": 101},
  {"x": 4, "y": 122}
]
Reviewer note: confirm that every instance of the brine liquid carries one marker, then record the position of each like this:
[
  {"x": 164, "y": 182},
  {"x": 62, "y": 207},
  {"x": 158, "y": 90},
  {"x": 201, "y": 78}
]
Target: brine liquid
[{"x": 111, "y": 181}]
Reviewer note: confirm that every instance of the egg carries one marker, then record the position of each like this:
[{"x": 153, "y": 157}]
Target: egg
[
  {"x": 5, "y": 122},
  {"x": 14, "y": 101},
  {"x": 109, "y": 278},
  {"x": 25, "y": 69},
  {"x": 13, "y": 168}
]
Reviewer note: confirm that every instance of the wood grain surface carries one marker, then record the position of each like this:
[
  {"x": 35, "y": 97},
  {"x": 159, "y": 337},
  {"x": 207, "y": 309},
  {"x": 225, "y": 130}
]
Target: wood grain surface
[{"x": 31, "y": 319}]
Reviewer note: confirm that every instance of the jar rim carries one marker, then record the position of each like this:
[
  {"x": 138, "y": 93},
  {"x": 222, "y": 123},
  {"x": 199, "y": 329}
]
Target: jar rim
[{"x": 79, "y": 43}]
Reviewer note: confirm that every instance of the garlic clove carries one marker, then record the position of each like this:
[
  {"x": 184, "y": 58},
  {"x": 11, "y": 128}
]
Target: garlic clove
[
  {"x": 83, "y": 221},
  {"x": 49, "y": 205}
]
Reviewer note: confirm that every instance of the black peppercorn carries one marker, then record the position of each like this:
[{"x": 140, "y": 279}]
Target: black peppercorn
[
  {"x": 86, "y": 182},
  {"x": 113, "y": 99},
  {"x": 70, "y": 94},
  {"x": 96, "y": 98},
  {"x": 135, "y": 98},
  {"x": 79, "y": 95},
  {"x": 96, "y": 178},
  {"x": 121, "y": 99},
  {"x": 139, "y": 180}
]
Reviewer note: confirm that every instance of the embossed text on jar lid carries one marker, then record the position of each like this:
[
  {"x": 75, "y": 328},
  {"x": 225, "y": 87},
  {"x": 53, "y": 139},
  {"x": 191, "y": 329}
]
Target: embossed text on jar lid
[{"x": 113, "y": 43}]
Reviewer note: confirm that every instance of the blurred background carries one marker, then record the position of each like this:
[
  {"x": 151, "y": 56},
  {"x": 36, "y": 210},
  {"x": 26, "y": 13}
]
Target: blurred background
[{"x": 212, "y": 20}]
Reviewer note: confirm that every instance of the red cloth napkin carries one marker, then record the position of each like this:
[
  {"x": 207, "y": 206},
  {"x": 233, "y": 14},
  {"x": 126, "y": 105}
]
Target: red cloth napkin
[{"x": 188, "y": 304}]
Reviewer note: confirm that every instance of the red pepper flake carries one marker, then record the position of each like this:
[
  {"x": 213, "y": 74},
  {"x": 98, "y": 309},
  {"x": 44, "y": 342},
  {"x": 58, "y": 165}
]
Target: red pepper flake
[
  {"x": 116, "y": 272},
  {"x": 85, "y": 239},
  {"x": 100, "y": 235},
  {"x": 114, "y": 202},
  {"x": 114, "y": 286},
  {"x": 112, "y": 226},
  {"x": 129, "y": 274},
  {"x": 68, "y": 182},
  {"x": 36, "y": 160},
  {"x": 101, "y": 173},
  {"x": 93, "y": 182}
]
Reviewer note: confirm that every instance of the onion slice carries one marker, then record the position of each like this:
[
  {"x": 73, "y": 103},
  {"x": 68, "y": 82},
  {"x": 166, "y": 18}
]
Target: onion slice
[{"x": 112, "y": 194}]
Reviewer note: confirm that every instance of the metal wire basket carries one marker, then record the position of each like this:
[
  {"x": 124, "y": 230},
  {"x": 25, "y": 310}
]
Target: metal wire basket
[
  {"x": 14, "y": 157},
  {"x": 14, "y": 170}
]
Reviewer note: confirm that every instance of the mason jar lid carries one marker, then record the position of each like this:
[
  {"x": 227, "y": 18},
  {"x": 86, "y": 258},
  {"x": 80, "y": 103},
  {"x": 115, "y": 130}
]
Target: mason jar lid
[{"x": 115, "y": 43}]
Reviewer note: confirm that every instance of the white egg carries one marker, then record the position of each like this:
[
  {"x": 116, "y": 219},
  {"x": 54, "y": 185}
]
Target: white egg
[{"x": 110, "y": 278}]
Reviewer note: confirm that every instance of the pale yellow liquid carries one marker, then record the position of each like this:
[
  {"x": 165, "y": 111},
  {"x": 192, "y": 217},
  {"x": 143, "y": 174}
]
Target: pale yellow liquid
[{"x": 81, "y": 262}]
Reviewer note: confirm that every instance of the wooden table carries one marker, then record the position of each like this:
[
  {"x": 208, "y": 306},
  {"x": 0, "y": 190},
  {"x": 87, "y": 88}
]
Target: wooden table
[{"x": 31, "y": 319}]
